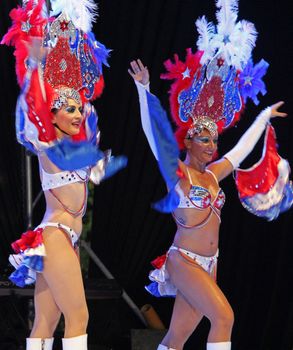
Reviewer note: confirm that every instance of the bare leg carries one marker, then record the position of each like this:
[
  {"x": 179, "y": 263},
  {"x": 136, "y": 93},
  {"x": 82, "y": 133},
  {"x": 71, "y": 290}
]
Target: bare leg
[
  {"x": 62, "y": 274},
  {"x": 47, "y": 313},
  {"x": 201, "y": 291},
  {"x": 184, "y": 320}
]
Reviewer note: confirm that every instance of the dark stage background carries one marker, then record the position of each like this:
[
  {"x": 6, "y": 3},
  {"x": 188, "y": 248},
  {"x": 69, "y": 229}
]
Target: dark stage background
[{"x": 255, "y": 265}]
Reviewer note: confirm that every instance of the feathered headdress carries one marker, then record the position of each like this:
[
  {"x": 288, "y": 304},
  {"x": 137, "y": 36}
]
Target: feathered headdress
[
  {"x": 71, "y": 69},
  {"x": 212, "y": 85}
]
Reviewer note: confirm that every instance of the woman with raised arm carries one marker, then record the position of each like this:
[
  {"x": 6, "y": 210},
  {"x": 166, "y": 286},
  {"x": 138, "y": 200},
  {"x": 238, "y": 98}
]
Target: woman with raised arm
[
  {"x": 204, "y": 98},
  {"x": 59, "y": 68}
]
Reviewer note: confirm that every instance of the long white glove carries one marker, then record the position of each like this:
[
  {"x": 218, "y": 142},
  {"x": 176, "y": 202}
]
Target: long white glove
[
  {"x": 145, "y": 116},
  {"x": 249, "y": 139}
]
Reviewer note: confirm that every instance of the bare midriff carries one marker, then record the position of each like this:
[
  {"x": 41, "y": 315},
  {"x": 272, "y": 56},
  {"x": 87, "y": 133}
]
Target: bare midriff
[
  {"x": 201, "y": 240},
  {"x": 73, "y": 197}
]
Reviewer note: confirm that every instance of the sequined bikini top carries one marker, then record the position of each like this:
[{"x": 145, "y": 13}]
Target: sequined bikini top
[
  {"x": 200, "y": 198},
  {"x": 62, "y": 178}
]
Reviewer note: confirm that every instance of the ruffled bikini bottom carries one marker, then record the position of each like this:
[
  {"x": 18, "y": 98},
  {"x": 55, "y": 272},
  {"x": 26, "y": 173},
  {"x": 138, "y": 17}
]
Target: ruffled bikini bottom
[
  {"x": 30, "y": 252},
  {"x": 162, "y": 286}
]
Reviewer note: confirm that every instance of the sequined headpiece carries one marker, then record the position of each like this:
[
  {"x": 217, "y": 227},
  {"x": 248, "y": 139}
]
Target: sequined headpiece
[
  {"x": 62, "y": 96},
  {"x": 216, "y": 81},
  {"x": 75, "y": 58},
  {"x": 201, "y": 123},
  {"x": 72, "y": 67}
]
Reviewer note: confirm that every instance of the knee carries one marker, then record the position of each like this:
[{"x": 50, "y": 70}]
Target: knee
[
  {"x": 178, "y": 336},
  {"x": 45, "y": 326},
  {"x": 77, "y": 317},
  {"x": 224, "y": 318}
]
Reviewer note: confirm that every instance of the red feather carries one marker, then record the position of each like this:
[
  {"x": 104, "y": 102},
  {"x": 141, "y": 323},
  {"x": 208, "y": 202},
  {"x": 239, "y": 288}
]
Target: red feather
[{"x": 21, "y": 39}]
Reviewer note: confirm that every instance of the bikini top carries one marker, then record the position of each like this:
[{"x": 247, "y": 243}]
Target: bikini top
[
  {"x": 200, "y": 198},
  {"x": 63, "y": 178}
]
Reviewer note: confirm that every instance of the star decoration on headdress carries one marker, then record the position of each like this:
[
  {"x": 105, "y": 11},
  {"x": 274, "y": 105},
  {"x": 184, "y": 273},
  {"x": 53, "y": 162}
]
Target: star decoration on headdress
[
  {"x": 226, "y": 39},
  {"x": 186, "y": 73},
  {"x": 247, "y": 81},
  {"x": 251, "y": 83},
  {"x": 64, "y": 26},
  {"x": 220, "y": 62}
]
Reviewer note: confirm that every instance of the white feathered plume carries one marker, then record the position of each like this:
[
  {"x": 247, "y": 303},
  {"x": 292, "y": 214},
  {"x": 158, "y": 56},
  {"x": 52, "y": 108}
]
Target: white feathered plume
[
  {"x": 233, "y": 40},
  {"x": 81, "y": 12},
  {"x": 206, "y": 32}
]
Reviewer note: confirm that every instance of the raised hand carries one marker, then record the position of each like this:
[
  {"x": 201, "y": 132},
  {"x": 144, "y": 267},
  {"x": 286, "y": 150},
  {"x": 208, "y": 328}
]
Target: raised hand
[
  {"x": 275, "y": 112},
  {"x": 139, "y": 72}
]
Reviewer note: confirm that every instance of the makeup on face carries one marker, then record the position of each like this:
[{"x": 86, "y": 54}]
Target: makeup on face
[
  {"x": 205, "y": 140},
  {"x": 72, "y": 109},
  {"x": 68, "y": 119}
]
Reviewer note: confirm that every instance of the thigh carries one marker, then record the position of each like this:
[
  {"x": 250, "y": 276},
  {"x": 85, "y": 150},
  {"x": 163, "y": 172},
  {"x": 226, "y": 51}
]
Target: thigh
[
  {"x": 47, "y": 313},
  {"x": 45, "y": 304},
  {"x": 197, "y": 287},
  {"x": 62, "y": 271},
  {"x": 184, "y": 315}
]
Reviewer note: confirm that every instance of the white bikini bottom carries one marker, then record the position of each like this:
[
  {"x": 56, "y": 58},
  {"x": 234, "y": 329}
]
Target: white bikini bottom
[
  {"x": 30, "y": 252},
  {"x": 161, "y": 284}
]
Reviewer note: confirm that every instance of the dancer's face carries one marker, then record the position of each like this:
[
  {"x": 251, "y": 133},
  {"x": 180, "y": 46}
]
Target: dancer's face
[
  {"x": 68, "y": 119},
  {"x": 202, "y": 146}
]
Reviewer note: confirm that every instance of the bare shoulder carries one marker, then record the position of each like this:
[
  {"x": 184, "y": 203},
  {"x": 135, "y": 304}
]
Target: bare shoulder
[{"x": 221, "y": 168}]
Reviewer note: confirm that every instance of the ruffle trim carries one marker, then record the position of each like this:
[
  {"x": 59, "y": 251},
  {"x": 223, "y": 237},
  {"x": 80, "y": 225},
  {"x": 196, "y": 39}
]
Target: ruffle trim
[
  {"x": 29, "y": 257},
  {"x": 161, "y": 285}
]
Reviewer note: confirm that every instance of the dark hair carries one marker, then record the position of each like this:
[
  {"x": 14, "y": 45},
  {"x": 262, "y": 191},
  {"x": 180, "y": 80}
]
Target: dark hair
[{"x": 54, "y": 110}]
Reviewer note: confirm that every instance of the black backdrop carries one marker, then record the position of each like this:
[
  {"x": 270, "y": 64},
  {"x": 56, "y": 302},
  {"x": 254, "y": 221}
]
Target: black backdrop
[{"x": 255, "y": 266}]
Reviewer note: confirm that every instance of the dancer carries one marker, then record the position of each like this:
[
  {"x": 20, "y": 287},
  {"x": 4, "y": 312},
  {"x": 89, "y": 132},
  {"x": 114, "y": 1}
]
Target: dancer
[
  {"x": 206, "y": 97},
  {"x": 59, "y": 69}
]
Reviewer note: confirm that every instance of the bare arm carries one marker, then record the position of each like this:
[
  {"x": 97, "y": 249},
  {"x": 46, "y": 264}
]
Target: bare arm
[{"x": 231, "y": 160}]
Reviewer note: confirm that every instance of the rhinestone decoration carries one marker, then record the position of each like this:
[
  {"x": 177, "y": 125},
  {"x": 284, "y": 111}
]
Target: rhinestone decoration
[
  {"x": 71, "y": 56},
  {"x": 63, "y": 95},
  {"x": 62, "y": 28},
  {"x": 232, "y": 100},
  {"x": 201, "y": 123},
  {"x": 187, "y": 98},
  {"x": 89, "y": 69},
  {"x": 217, "y": 67},
  {"x": 214, "y": 93},
  {"x": 63, "y": 65}
]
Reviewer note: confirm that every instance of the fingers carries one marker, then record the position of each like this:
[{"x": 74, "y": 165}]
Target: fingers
[
  {"x": 131, "y": 73},
  {"x": 278, "y": 104},
  {"x": 282, "y": 114},
  {"x": 135, "y": 67},
  {"x": 275, "y": 108},
  {"x": 139, "y": 72},
  {"x": 141, "y": 66}
]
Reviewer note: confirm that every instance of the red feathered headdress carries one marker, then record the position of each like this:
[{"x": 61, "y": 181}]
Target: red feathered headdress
[{"x": 206, "y": 92}]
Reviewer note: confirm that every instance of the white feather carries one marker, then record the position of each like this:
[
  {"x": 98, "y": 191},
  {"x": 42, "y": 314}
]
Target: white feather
[
  {"x": 206, "y": 31},
  {"x": 228, "y": 10},
  {"x": 81, "y": 12},
  {"x": 234, "y": 40}
]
